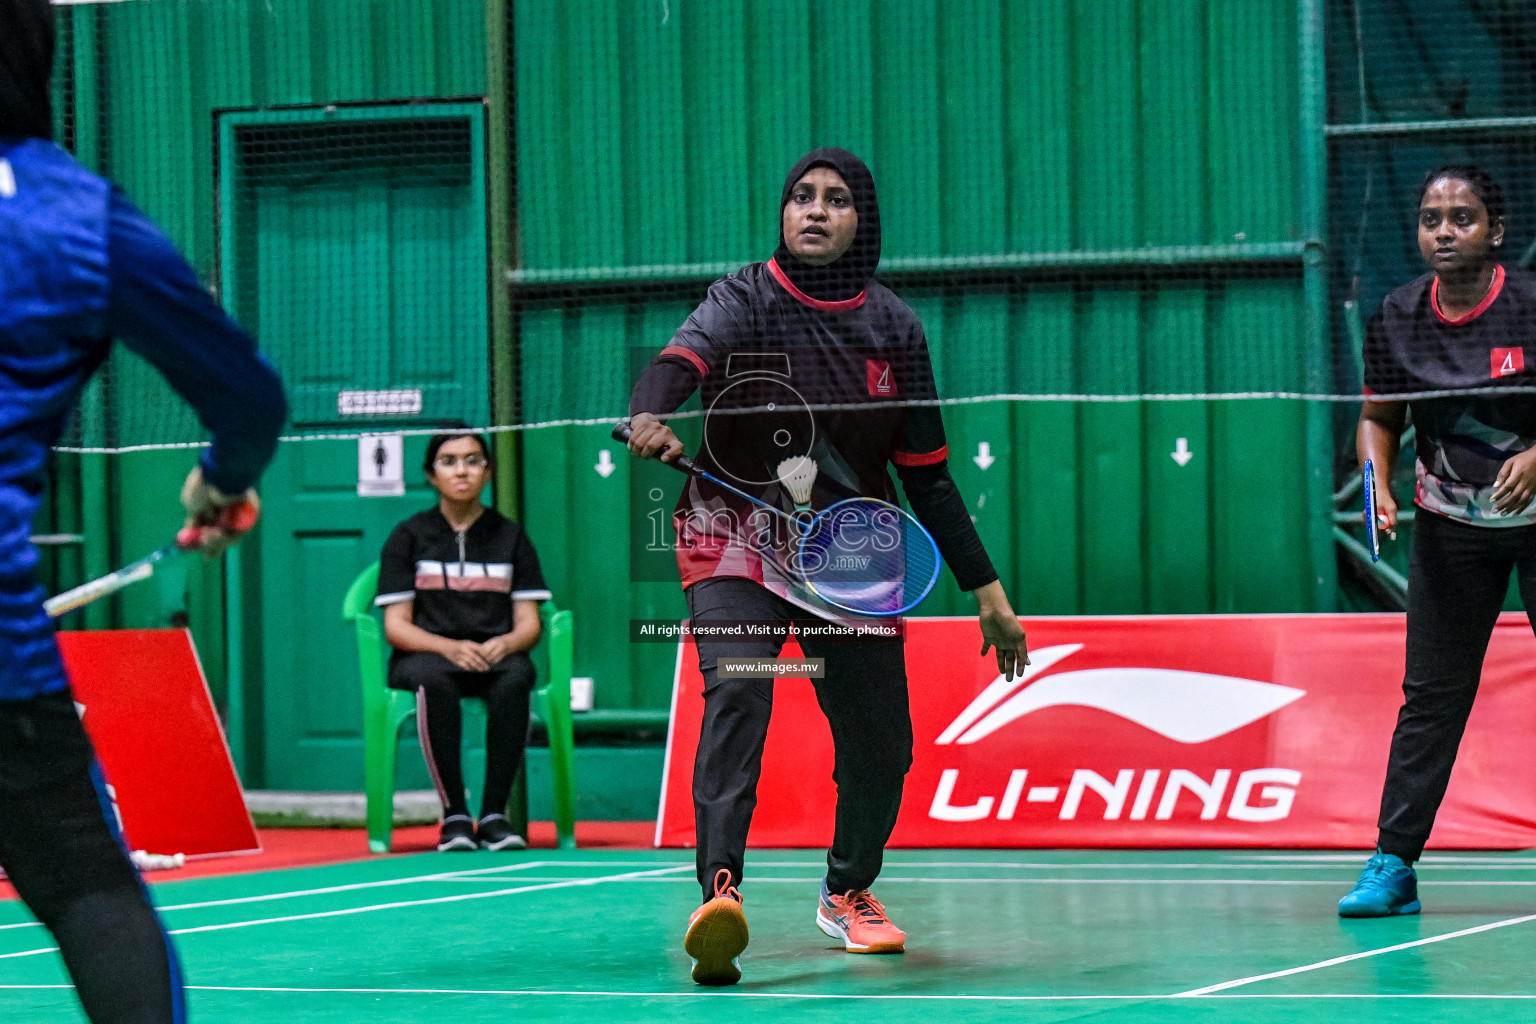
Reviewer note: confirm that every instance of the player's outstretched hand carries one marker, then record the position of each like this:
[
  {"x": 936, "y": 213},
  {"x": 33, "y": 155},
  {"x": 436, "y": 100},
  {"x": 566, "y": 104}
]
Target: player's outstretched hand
[
  {"x": 1000, "y": 630},
  {"x": 1516, "y": 484},
  {"x": 215, "y": 520},
  {"x": 651, "y": 439}
]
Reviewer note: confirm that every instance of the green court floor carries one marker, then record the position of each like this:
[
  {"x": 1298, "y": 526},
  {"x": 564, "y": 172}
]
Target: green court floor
[{"x": 1118, "y": 936}]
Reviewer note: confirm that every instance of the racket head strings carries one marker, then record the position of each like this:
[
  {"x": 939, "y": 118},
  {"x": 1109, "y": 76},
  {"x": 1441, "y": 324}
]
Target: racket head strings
[{"x": 868, "y": 556}]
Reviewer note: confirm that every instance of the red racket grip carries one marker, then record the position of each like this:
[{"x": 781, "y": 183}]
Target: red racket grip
[{"x": 237, "y": 518}]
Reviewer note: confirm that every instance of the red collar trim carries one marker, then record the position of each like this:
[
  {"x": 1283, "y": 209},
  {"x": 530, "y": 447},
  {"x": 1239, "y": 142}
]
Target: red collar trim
[
  {"x": 806, "y": 300},
  {"x": 1476, "y": 311}
]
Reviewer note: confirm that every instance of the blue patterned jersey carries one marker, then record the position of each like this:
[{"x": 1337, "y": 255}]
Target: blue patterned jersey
[{"x": 79, "y": 265}]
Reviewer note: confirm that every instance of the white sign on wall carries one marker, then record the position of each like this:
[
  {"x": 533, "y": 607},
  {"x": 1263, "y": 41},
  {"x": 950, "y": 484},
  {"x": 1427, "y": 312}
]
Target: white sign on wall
[
  {"x": 398, "y": 402},
  {"x": 381, "y": 465}
]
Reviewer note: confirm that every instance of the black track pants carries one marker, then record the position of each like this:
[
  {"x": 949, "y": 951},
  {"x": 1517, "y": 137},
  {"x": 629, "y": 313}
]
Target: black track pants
[
  {"x": 1457, "y": 578},
  {"x": 440, "y": 685},
  {"x": 60, "y": 848},
  {"x": 863, "y": 695}
]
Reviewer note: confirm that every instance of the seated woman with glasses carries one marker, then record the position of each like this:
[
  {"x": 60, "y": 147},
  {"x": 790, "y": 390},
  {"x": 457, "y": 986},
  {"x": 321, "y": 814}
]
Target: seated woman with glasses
[{"x": 460, "y": 586}]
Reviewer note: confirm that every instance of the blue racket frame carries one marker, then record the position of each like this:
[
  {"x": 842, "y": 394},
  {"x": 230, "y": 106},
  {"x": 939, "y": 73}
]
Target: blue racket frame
[
  {"x": 1372, "y": 537},
  {"x": 826, "y": 514},
  {"x": 686, "y": 465}
]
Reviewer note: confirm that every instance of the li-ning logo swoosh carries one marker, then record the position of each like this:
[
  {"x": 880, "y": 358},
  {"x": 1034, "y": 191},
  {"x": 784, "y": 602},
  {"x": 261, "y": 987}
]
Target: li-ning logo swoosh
[{"x": 1190, "y": 707}]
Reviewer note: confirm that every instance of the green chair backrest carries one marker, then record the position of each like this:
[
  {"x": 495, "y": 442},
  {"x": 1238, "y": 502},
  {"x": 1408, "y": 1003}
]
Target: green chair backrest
[{"x": 359, "y": 599}]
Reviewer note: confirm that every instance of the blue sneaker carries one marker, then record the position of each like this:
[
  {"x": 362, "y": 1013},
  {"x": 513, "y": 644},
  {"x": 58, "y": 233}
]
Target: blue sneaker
[{"x": 1386, "y": 887}]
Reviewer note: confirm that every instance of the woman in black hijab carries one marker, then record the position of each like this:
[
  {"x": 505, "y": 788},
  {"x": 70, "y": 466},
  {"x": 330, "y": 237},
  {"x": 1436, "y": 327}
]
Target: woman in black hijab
[
  {"x": 839, "y": 360},
  {"x": 26, "y": 59}
]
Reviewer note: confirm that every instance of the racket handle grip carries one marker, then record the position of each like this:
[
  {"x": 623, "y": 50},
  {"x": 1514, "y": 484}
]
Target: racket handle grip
[
  {"x": 621, "y": 434},
  {"x": 237, "y": 518}
]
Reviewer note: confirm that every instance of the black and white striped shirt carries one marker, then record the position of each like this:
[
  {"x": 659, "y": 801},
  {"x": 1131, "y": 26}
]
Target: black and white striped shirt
[{"x": 463, "y": 584}]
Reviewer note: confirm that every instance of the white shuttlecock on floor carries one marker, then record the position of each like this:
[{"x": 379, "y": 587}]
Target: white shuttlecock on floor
[
  {"x": 146, "y": 861},
  {"x": 798, "y": 474}
]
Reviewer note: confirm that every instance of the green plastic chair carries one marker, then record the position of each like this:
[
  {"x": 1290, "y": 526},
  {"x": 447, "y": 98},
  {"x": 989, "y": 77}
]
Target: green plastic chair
[{"x": 386, "y": 712}]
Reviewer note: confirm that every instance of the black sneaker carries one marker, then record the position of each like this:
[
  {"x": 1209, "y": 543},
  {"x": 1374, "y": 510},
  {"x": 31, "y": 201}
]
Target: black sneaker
[
  {"x": 458, "y": 833},
  {"x": 495, "y": 834}
]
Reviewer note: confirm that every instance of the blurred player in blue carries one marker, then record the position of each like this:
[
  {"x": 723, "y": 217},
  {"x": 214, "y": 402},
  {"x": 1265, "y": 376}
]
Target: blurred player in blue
[{"x": 78, "y": 267}]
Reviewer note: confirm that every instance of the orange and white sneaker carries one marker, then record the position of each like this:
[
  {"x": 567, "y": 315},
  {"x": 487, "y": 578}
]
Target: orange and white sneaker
[
  {"x": 859, "y": 921},
  {"x": 717, "y": 933}
]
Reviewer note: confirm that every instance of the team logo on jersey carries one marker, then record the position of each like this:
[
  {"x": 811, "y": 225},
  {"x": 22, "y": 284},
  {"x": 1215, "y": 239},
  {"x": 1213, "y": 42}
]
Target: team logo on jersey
[
  {"x": 1503, "y": 362},
  {"x": 878, "y": 372}
]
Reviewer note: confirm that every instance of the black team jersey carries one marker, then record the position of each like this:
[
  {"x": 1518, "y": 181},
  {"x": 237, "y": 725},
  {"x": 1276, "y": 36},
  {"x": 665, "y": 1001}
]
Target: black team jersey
[
  {"x": 834, "y": 381},
  {"x": 463, "y": 584},
  {"x": 1462, "y": 439}
]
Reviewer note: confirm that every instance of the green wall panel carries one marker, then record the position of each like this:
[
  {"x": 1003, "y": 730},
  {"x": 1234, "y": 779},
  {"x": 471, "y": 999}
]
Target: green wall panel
[
  {"x": 991, "y": 127},
  {"x": 256, "y": 53},
  {"x": 166, "y": 67}
]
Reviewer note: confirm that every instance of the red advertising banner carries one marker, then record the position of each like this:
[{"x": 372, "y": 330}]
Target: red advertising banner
[
  {"x": 1174, "y": 731},
  {"x": 150, "y": 717}
]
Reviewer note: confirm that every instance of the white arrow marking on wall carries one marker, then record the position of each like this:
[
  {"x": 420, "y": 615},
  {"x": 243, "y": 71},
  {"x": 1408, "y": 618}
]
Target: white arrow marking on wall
[
  {"x": 605, "y": 466},
  {"x": 1181, "y": 453},
  {"x": 984, "y": 456}
]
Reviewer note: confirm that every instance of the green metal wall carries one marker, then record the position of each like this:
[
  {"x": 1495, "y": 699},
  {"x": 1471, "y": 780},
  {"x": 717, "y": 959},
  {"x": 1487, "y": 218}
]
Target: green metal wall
[
  {"x": 651, "y": 143},
  {"x": 659, "y": 134},
  {"x": 650, "y": 140},
  {"x": 140, "y": 85},
  {"x": 232, "y": 54}
]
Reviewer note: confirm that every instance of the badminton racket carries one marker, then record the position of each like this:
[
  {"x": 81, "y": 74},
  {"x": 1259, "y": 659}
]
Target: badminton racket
[
  {"x": 1372, "y": 538},
  {"x": 237, "y": 518},
  {"x": 861, "y": 555}
]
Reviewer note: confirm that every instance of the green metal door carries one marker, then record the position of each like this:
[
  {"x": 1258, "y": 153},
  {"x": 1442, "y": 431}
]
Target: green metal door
[{"x": 354, "y": 246}]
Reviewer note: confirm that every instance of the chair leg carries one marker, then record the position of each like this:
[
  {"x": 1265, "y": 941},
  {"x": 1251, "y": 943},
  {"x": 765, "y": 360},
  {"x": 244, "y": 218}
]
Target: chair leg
[
  {"x": 380, "y": 785},
  {"x": 562, "y": 769},
  {"x": 517, "y": 801}
]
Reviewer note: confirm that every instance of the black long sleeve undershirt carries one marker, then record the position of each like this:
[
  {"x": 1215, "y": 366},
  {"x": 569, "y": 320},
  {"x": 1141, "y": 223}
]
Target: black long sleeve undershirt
[
  {"x": 937, "y": 504},
  {"x": 663, "y": 387}
]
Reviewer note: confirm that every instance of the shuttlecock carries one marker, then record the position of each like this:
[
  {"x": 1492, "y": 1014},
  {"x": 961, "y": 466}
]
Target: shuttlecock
[
  {"x": 146, "y": 861},
  {"x": 798, "y": 474}
]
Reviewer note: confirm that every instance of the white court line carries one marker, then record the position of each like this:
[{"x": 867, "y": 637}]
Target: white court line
[
  {"x": 1207, "y": 990},
  {"x": 999, "y": 865},
  {"x": 883, "y": 880},
  {"x": 1468, "y": 864},
  {"x": 1302, "y": 859},
  {"x": 508, "y": 868},
  {"x": 856, "y": 997},
  {"x": 441, "y": 876},
  {"x": 1362, "y": 995},
  {"x": 917, "y": 880},
  {"x": 382, "y": 883},
  {"x": 738, "y": 994},
  {"x": 345, "y": 912}
]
